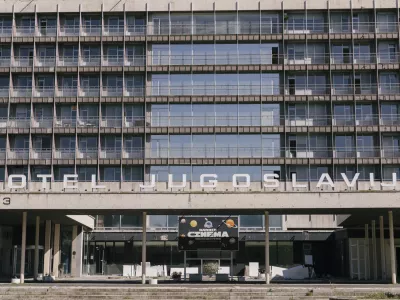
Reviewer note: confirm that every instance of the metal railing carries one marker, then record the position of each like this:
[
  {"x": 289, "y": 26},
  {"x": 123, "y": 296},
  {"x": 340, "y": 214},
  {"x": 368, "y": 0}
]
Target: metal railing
[
  {"x": 14, "y": 122},
  {"x": 88, "y": 121},
  {"x": 135, "y": 60},
  {"x": 220, "y": 152},
  {"x": 131, "y": 91},
  {"x": 45, "y": 61},
  {"x": 40, "y": 154},
  {"x": 291, "y": 26},
  {"x": 21, "y": 92},
  {"x": 47, "y": 31},
  {"x": 89, "y": 91},
  {"x": 257, "y": 119},
  {"x": 16, "y": 153},
  {"x": 249, "y": 89},
  {"x": 113, "y": 60},
  {"x": 3, "y": 153},
  {"x": 4, "y": 92},
  {"x": 43, "y": 122},
  {"x": 6, "y": 31},
  {"x": 91, "y": 30},
  {"x": 93, "y": 60},
  {"x": 46, "y": 91},
  {"x": 269, "y": 58},
  {"x": 69, "y": 30},
  {"x": 67, "y": 91},
  {"x": 22, "y": 61},
  {"x": 65, "y": 122},
  {"x": 24, "y": 30},
  {"x": 135, "y": 152},
  {"x": 68, "y": 60},
  {"x": 111, "y": 153},
  {"x": 64, "y": 153},
  {"x": 210, "y": 152},
  {"x": 158, "y": 120},
  {"x": 5, "y": 61},
  {"x": 90, "y": 153},
  {"x": 113, "y": 30},
  {"x": 111, "y": 122},
  {"x": 112, "y": 91}
]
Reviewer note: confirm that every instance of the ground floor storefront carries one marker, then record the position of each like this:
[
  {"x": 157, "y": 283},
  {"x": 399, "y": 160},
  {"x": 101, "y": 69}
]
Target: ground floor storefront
[
  {"x": 367, "y": 252},
  {"x": 108, "y": 253}
]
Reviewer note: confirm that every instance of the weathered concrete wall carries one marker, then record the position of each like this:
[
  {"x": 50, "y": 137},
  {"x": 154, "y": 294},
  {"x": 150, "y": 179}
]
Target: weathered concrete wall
[{"x": 277, "y": 201}]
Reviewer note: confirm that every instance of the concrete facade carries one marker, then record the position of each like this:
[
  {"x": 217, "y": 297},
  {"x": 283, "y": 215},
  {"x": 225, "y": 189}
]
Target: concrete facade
[{"x": 119, "y": 91}]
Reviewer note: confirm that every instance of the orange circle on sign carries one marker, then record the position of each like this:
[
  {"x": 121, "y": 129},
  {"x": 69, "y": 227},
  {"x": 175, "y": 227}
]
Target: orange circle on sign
[{"x": 230, "y": 223}]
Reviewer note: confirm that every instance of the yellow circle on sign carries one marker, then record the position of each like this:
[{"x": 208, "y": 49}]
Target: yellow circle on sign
[{"x": 193, "y": 223}]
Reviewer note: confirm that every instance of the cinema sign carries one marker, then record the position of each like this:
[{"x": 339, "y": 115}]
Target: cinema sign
[
  {"x": 208, "y": 232},
  {"x": 207, "y": 181}
]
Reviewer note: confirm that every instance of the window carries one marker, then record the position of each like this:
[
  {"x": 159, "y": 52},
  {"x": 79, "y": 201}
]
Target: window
[
  {"x": 39, "y": 170},
  {"x": 67, "y": 142},
  {"x": 18, "y": 170},
  {"x": 316, "y": 172},
  {"x": 132, "y": 173},
  {"x": 59, "y": 172},
  {"x": 348, "y": 170},
  {"x": 388, "y": 172},
  {"x": 85, "y": 173},
  {"x": 110, "y": 174},
  {"x": 255, "y": 221}
]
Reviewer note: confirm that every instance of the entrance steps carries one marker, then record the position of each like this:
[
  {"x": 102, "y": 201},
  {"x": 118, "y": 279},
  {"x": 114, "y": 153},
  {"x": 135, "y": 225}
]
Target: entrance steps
[{"x": 187, "y": 292}]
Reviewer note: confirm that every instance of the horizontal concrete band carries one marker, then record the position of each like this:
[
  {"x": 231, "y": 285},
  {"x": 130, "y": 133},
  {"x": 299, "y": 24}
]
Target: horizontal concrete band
[
  {"x": 184, "y": 5},
  {"x": 326, "y": 202}
]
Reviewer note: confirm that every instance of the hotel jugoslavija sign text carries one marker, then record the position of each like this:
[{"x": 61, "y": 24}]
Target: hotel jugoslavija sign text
[{"x": 204, "y": 233}]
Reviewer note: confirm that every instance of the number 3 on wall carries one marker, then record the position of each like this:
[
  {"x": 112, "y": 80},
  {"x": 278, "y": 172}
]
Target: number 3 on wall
[{"x": 6, "y": 201}]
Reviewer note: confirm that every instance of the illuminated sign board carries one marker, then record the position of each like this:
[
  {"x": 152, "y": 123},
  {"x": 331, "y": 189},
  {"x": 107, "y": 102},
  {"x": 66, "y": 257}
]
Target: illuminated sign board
[{"x": 208, "y": 233}]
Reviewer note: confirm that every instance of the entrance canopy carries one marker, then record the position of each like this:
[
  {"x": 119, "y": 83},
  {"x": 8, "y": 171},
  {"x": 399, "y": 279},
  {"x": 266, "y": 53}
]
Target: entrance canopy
[{"x": 202, "y": 202}]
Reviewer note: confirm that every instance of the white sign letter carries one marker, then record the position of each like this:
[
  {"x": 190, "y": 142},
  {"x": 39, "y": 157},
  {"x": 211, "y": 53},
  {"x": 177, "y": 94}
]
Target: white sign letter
[
  {"x": 152, "y": 183},
  {"x": 294, "y": 182},
  {"x": 20, "y": 185},
  {"x": 67, "y": 179},
  {"x": 94, "y": 186},
  {"x": 212, "y": 183},
  {"x": 393, "y": 183},
  {"x": 275, "y": 182},
  {"x": 44, "y": 181},
  {"x": 236, "y": 184},
  {"x": 328, "y": 178},
  {"x": 171, "y": 182},
  {"x": 371, "y": 179},
  {"x": 346, "y": 180}
]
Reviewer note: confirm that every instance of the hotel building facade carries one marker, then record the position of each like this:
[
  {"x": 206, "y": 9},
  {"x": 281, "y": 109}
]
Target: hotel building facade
[{"x": 118, "y": 91}]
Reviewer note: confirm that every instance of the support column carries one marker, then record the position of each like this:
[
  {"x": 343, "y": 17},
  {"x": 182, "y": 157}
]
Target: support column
[
  {"x": 23, "y": 247},
  {"x": 77, "y": 250},
  {"x": 392, "y": 249},
  {"x": 144, "y": 237},
  {"x": 47, "y": 249},
  {"x": 56, "y": 250},
  {"x": 374, "y": 262},
  {"x": 36, "y": 256},
  {"x": 267, "y": 268},
  {"x": 382, "y": 244},
  {"x": 366, "y": 256}
]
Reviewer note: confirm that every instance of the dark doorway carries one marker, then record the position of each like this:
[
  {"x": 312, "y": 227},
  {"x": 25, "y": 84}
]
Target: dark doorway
[
  {"x": 99, "y": 258},
  {"x": 357, "y": 83},
  {"x": 397, "y": 260},
  {"x": 346, "y": 55},
  {"x": 275, "y": 56},
  {"x": 292, "y": 86}
]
